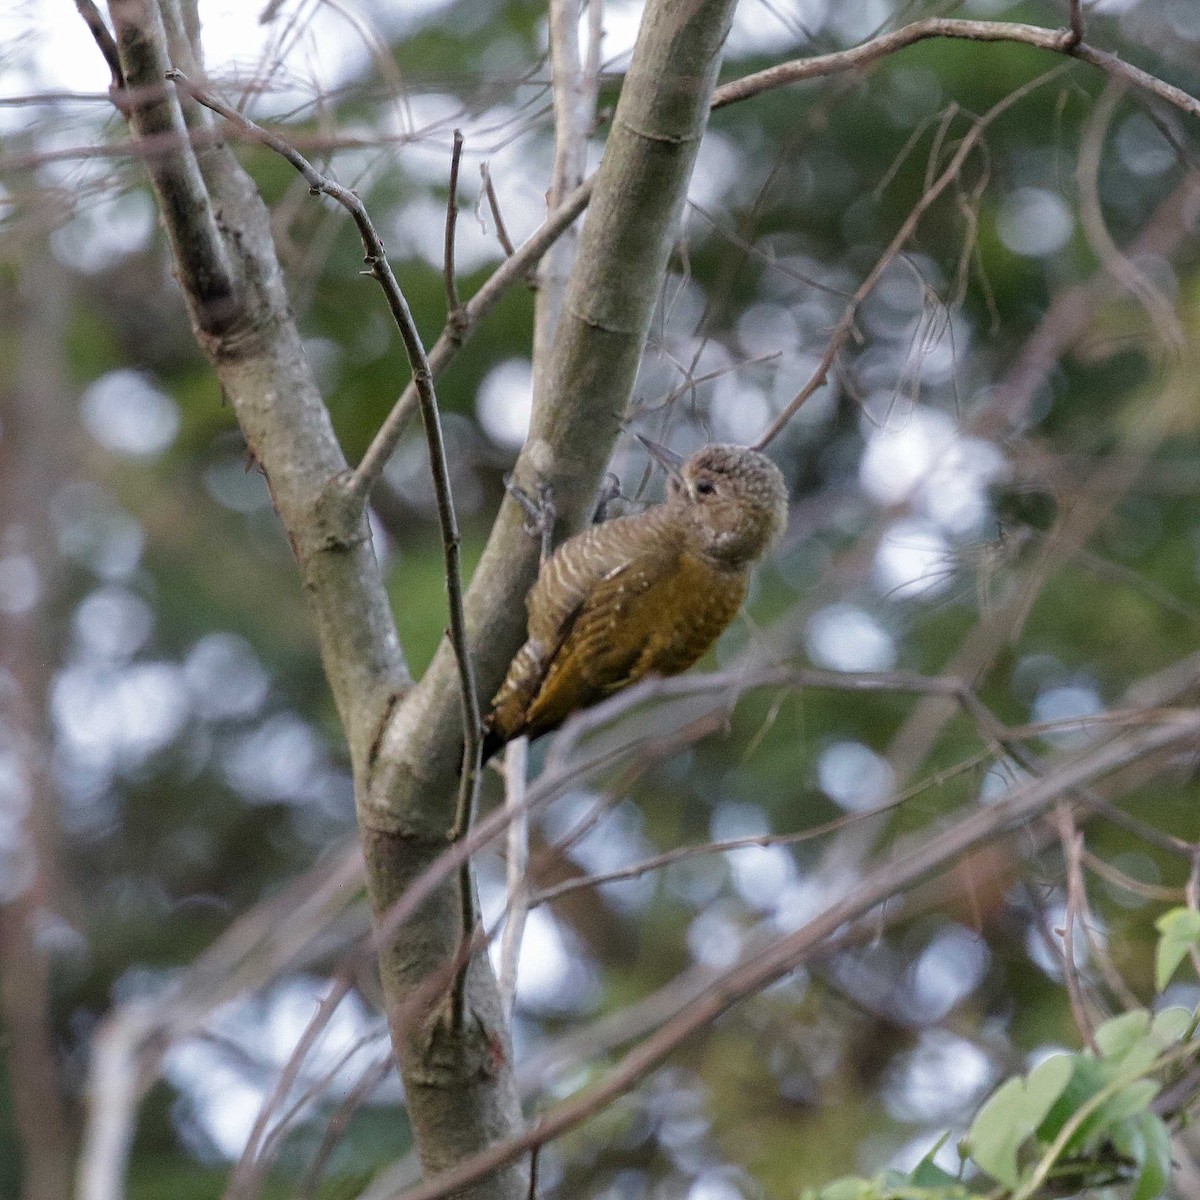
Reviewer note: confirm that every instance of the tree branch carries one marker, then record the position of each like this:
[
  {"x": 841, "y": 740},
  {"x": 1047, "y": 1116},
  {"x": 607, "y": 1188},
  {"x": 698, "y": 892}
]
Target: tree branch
[
  {"x": 1060, "y": 41},
  {"x": 106, "y": 44},
  {"x": 890, "y": 878},
  {"x": 357, "y": 486},
  {"x": 845, "y": 326}
]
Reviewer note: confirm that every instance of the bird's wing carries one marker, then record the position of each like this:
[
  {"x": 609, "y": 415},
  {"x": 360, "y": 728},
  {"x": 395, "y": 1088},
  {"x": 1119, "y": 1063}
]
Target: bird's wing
[
  {"x": 564, "y": 586},
  {"x": 598, "y": 648},
  {"x": 654, "y": 616}
]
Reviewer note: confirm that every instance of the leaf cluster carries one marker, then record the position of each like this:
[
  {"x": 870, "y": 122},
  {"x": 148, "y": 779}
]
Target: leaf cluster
[{"x": 1077, "y": 1120}]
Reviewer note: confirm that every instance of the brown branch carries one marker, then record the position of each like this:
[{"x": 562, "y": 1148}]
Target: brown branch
[
  {"x": 107, "y": 45},
  {"x": 889, "y": 879},
  {"x": 489, "y": 191},
  {"x": 356, "y": 487},
  {"x": 1060, "y": 41},
  {"x": 1071, "y": 840},
  {"x": 669, "y": 857},
  {"x": 453, "y": 303},
  {"x": 845, "y": 326}
]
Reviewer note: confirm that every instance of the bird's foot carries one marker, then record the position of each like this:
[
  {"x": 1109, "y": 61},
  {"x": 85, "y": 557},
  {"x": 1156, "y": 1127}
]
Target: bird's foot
[
  {"x": 540, "y": 513},
  {"x": 609, "y": 491}
]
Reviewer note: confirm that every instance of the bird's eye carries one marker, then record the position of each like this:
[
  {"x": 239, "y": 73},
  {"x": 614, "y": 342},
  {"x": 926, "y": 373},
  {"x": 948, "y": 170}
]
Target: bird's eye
[{"x": 705, "y": 487}]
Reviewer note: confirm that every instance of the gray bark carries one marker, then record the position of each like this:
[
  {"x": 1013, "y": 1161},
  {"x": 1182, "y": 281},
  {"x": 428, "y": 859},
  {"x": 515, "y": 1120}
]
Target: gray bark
[
  {"x": 405, "y": 741},
  {"x": 37, "y": 447}
]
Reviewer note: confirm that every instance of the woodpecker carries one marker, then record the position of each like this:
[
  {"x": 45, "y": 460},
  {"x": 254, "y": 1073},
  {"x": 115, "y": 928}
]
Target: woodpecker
[{"x": 641, "y": 595}]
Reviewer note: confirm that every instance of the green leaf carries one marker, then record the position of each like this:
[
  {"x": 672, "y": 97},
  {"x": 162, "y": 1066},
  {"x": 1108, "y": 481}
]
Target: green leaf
[
  {"x": 849, "y": 1188},
  {"x": 1171, "y": 1025},
  {"x": 1116, "y": 1037},
  {"x": 927, "y": 1174},
  {"x": 1129, "y": 1102},
  {"x": 1156, "y": 1165},
  {"x": 1180, "y": 929},
  {"x": 1012, "y": 1114}
]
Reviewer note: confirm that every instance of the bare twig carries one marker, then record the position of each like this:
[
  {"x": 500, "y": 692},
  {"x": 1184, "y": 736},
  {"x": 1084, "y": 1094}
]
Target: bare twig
[
  {"x": 246, "y": 1179},
  {"x": 514, "y": 269},
  {"x": 116, "y": 1080},
  {"x": 1074, "y": 24},
  {"x": 591, "y": 57},
  {"x": 489, "y": 190},
  {"x": 1192, "y": 899},
  {"x": 1061, "y": 41},
  {"x": 516, "y": 755},
  {"x": 107, "y": 45},
  {"x": 533, "y": 1171},
  {"x": 889, "y": 879},
  {"x": 669, "y": 857},
  {"x": 1137, "y": 887},
  {"x": 520, "y": 262},
  {"x": 1119, "y": 266},
  {"x": 574, "y": 115},
  {"x": 358, "y": 485},
  {"x": 338, "y": 1122},
  {"x": 845, "y": 326},
  {"x": 1071, "y": 840},
  {"x": 454, "y": 315}
]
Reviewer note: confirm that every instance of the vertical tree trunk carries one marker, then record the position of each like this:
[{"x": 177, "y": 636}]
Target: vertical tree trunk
[
  {"x": 405, "y": 742},
  {"x": 37, "y": 430}
]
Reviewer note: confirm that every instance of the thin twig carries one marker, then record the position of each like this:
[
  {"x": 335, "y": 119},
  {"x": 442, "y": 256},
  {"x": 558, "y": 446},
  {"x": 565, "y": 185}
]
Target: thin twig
[
  {"x": 845, "y": 326},
  {"x": 679, "y": 853},
  {"x": 1074, "y": 24},
  {"x": 519, "y": 263},
  {"x": 537, "y": 1150},
  {"x": 489, "y": 191},
  {"x": 514, "y": 269},
  {"x": 1119, "y": 266},
  {"x": 357, "y": 486},
  {"x": 245, "y": 1180},
  {"x": 107, "y": 45},
  {"x": 1072, "y": 848},
  {"x": 1060, "y": 41},
  {"x": 516, "y": 755},
  {"x": 1192, "y": 899},
  {"x": 338, "y": 1122},
  {"x": 454, "y": 313},
  {"x": 889, "y": 878},
  {"x": 1098, "y": 946},
  {"x": 591, "y": 56},
  {"x": 1138, "y": 887}
]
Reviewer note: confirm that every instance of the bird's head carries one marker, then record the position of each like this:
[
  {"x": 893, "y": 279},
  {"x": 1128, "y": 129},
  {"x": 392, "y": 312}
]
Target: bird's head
[{"x": 733, "y": 498}]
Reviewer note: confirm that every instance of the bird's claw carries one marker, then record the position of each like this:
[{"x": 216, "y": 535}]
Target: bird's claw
[
  {"x": 541, "y": 512},
  {"x": 610, "y": 491}
]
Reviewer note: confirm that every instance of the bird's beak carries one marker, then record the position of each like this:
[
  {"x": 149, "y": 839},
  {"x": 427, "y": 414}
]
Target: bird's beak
[{"x": 667, "y": 459}]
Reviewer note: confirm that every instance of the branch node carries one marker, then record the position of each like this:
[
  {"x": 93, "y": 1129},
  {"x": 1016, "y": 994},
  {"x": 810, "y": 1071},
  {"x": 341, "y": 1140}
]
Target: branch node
[{"x": 1072, "y": 36}]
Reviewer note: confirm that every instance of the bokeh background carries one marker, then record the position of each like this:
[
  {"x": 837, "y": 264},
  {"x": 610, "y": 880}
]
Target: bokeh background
[{"x": 1002, "y": 473}]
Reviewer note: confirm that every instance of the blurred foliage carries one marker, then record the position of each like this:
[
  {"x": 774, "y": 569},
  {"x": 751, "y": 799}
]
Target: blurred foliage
[{"x": 169, "y": 826}]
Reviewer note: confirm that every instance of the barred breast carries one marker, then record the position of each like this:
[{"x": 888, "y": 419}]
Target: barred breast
[{"x": 615, "y": 603}]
